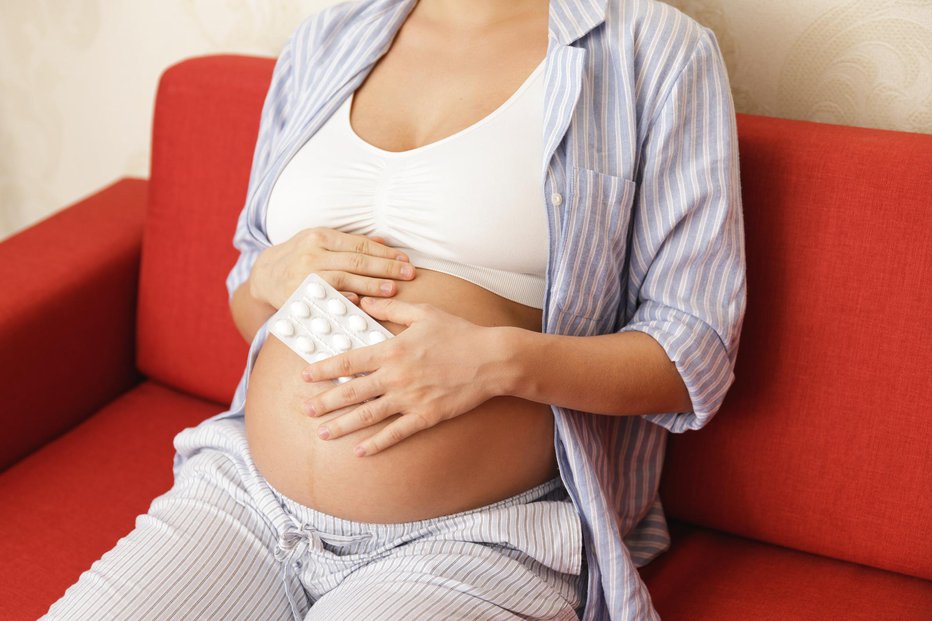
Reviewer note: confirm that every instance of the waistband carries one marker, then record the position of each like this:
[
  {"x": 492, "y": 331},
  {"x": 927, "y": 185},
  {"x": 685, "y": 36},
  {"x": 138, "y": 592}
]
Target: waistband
[{"x": 549, "y": 490}]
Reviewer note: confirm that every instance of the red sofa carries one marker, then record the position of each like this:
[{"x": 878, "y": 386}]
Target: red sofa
[{"x": 808, "y": 497}]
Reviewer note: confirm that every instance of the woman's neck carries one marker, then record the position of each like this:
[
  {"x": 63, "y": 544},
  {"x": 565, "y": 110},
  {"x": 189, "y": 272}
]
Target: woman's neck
[{"x": 478, "y": 13}]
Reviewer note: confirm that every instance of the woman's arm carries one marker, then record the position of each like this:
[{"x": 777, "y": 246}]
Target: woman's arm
[
  {"x": 674, "y": 359},
  {"x": 619, "y": 374},
  {"x": 249, "y": 312}
]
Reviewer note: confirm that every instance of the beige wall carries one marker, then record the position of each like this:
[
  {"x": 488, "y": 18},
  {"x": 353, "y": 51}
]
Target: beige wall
[
  {"x": 78, "y": 78},
  {"x": 852, "y": 62}
]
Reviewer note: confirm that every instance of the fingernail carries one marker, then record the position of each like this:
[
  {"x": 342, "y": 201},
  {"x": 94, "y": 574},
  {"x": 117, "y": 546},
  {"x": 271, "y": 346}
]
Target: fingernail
[
  {"x": 386, "y": 287},
  {"x": 407, "y": 270},
  {"x": 311, "y": 411},
  {"x": 360, "y": 451},
  {"x": 401, "y": 257},
  {"x": 323, "y": 432}
]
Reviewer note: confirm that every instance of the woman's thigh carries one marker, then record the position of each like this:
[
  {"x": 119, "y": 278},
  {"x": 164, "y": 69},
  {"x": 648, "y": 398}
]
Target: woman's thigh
[
  {"x": 201, "y": 552},
  {"x": 220, "y": 543},
  {"x": 452, "y": 580}
]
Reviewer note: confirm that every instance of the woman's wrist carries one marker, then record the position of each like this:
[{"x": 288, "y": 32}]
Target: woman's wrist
[{"x": 512, "y": 348}]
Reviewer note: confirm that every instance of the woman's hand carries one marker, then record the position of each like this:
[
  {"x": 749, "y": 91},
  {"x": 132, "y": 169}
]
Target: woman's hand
[
  {"x": 439, "y": 367},
  {"x": 352, "y": 264}
]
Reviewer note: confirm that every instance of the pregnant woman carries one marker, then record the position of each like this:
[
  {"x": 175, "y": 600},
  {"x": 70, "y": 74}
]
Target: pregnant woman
[{"x": 541, "y": 202}]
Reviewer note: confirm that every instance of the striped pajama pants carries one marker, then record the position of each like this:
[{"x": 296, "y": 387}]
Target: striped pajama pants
[{"x": 222, "y": 543}]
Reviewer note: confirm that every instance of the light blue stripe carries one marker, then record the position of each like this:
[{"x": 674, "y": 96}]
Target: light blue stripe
[
  {"x": 639, "y": 123},
  {"x": 223, "y": 543}
]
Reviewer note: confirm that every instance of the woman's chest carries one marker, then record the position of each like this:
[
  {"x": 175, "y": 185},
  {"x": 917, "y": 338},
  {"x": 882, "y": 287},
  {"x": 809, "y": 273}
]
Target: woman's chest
[
  {"x": 431, "y": 83},
  {"x": 473, "y": 196}
]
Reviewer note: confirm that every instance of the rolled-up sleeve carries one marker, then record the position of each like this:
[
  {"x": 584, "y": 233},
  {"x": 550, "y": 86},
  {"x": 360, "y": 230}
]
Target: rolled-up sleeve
[
  {"x": 687, "y": 255},
  {"x": 275, "y": 111}
]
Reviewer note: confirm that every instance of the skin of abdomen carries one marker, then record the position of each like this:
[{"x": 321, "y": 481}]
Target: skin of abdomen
[{"x": 498, "y": 449}]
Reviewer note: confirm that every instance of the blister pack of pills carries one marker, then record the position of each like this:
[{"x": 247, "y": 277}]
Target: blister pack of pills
[{"x": 318, "y": 321}]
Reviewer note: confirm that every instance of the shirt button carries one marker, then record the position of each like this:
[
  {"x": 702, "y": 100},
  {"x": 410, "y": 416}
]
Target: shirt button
[{"x": 556, "y": 198}]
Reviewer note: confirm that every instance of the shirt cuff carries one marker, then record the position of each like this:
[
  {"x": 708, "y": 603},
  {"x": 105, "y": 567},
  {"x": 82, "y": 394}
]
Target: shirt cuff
[{"x": 701, "y": 358}]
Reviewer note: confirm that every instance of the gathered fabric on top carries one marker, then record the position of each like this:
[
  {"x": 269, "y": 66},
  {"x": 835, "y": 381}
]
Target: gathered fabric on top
[{"x": 470, "y": 204}]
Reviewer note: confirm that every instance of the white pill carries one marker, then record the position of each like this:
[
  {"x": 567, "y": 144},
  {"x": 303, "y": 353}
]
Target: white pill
[
  {"x": 376, "y": 337},
  {"x": 305, "y": 344},
  {"x": 300, "y": 309},
  {"x": 319, "y": 325},
  {"x": 341, "y": 342},
  {"x": 316, "y": 291},
  {"x": 336, "y": 307},
  {"x": 356, "y": 323},
  {"x": 284, "y": 327}
]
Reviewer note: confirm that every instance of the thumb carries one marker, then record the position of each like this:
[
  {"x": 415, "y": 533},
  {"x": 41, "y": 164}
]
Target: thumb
[{"x": 390, "y": 309}]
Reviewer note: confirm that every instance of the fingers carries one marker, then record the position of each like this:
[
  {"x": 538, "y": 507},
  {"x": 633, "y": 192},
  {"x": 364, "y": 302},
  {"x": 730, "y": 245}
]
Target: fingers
[
  {"x": 357, "y": 254},
  {"x": 338, "y": 241},
  {"x": 403, "y": 427},
  {"x": 368, "y": 265},
  {"x": 360, "y": 417},
  {"x": 362, "y": 285},
  {"x": 349, "y": 393},
  {"x": 356, "y": 264},
  {"x": 352, "y": 297},
  {"x": 393, "y": 310},
  {"x": 352, "y": 362}
]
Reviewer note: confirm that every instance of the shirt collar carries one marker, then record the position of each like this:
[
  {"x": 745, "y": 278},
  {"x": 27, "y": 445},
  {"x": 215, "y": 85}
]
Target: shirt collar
[{"x": 572, "y": 19}]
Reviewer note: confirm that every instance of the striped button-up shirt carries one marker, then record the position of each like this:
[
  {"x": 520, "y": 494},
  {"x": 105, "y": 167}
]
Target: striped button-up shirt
[{"x": 641, "y": 184}]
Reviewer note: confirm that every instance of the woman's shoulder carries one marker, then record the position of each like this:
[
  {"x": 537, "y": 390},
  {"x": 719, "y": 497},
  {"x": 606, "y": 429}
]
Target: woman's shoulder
[
  {"x": 656, "y": 41},
  {"x": 324, "y": 31},
  {"x": 324, "y": 23},
  {"x": 653, "y": 27}
]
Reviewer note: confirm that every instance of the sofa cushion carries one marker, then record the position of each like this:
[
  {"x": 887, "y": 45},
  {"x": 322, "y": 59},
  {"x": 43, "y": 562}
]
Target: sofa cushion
[
  {"x": 205, "y": 128},
  {"x": 822, "y": 444},
  {"x": 73, "y": 499},
  {"x": 708, "y": 575}
]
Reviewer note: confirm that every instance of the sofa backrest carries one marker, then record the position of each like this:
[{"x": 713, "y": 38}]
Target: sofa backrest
[
  {"x": 824, "y": 442},
  {"x": 204, "y": 133}
]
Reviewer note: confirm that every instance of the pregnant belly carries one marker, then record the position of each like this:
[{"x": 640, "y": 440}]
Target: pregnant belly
[{"x": 496, "y": 450}]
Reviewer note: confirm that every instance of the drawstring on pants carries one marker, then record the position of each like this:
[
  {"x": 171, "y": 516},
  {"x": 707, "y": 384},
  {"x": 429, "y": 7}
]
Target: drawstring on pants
[{"x": 293, "y": 543}]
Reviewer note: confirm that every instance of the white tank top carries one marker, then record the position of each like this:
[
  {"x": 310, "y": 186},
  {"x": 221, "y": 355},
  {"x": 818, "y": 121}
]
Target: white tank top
[{"x": 470, "y": 204}]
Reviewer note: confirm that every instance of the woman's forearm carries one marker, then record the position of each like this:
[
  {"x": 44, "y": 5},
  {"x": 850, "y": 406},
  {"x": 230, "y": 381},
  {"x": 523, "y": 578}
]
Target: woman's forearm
[
  {"x": 249, "y": 313},
  {"x": 617, "y": 374}
]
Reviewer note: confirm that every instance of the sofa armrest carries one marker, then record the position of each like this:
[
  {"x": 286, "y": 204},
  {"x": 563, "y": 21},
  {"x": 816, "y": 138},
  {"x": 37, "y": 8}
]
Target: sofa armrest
[{"x": 67, "y": 316}]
